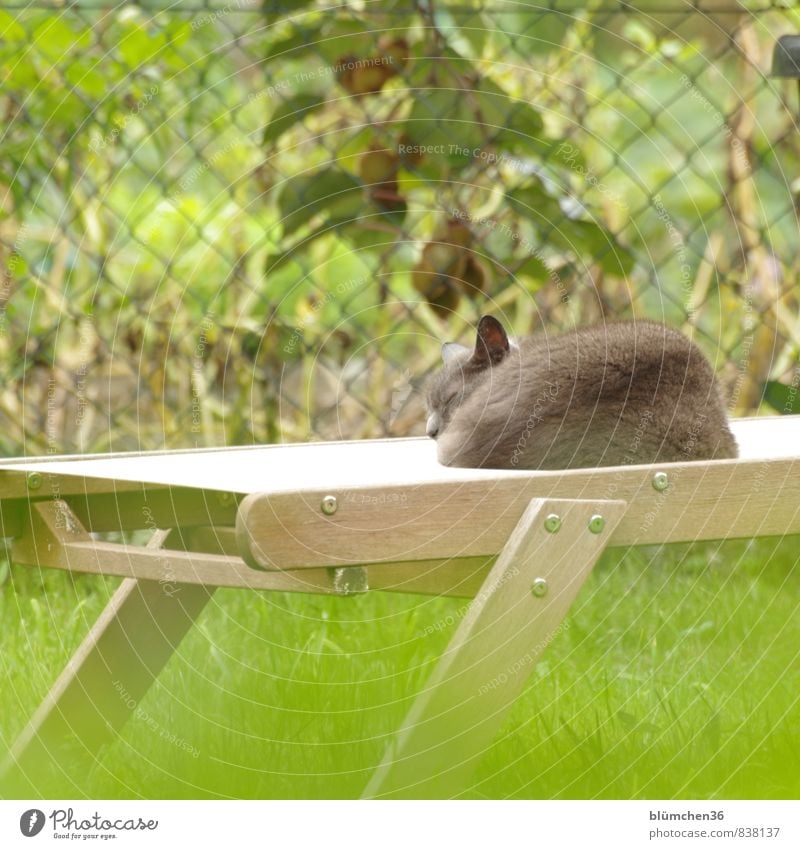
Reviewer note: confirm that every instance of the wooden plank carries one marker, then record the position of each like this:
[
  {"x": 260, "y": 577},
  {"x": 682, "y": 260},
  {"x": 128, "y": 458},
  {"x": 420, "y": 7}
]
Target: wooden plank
[
  {"x": 213, "y": 539},
  {"x": 56, "y": 481},
  {"x": 57, "y": 540},
  {"x": 712, "y": 500},
  {"x": 102, "y": 507},
  {"x": 109, "y": 674},
  {"x": 12, "y": 519},
  {"x": 491, "y": 655},
  {"x": 174, "y": 507},
  {"x": 461, "y": 578}
]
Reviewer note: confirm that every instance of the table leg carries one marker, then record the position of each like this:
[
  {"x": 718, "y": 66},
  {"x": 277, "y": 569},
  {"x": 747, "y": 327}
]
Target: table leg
[{"x": 511, "y": 621}]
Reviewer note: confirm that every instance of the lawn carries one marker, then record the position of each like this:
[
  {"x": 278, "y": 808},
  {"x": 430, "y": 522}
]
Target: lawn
[{"x": 676, "y": 675}]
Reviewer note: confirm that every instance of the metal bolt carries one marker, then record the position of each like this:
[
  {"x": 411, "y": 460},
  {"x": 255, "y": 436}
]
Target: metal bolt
[
  {"x": 660, "y": 481},
  {"x": 329, "y": 505},
  {"x": 225, "y": 499},
  {"x": 350, "y": 580},
  {"x": 539, "y": 587},
  {"x": 597, "y": 523},
  {"x": 34, "y": 480},
  {"x": 552, "y": 523}
]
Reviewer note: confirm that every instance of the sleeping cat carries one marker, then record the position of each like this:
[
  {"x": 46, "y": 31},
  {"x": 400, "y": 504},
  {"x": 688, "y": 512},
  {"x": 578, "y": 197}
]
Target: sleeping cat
[{"x": 612, "y": 394}]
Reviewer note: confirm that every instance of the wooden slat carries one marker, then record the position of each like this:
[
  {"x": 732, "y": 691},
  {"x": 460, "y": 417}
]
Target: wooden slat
[
  {"x": 102, "y": 507},
  {"x": 213, "y": 540},
  {"x": 461, "y": 577},
  {"x": 52, "y": 542},
  {"x": 57, "y": 481},
  {"x": 714, "y": 500},
  {"x": 499, "y": 640},
  {"x": 56, "y": 539},
  {"x": 174, "y": 507}
]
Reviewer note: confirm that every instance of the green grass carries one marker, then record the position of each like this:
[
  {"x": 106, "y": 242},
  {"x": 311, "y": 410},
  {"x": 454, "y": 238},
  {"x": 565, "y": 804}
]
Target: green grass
[{"x": 678, "y": 676}]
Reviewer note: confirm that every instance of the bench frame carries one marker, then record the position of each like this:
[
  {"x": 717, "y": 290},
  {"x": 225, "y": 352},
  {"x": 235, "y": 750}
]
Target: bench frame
[{"x": 522, "y": 558}]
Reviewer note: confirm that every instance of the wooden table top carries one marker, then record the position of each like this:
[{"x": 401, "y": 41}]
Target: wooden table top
[{"x": 312, "y": 466}]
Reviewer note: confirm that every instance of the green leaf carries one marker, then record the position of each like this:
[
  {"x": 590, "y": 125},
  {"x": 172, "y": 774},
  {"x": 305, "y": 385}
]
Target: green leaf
[
  {"x": 367, "y": 238},
  {"x": 60, "y": 110},
  {"x": 294, "y": 253},
  {"x": 330, "y": 190},
  {"x": 587, "y": 239},
  {"x": 459, "y": 123},
  {"x": 11, "y": 30},
  {"x": 344, "y": 37},
  {"x": 533, "y": 203},
  {"x": 535, "y": 268},
  {"x": 289, "y": 113},
  {"x": 532, "y": 34},
  {"x": 139, "y": 46},
  {"x": 583, "y": 238},
  {"x": 54, "y": 39},
  {"x": 468, "y": 33},
  {"x": 87, "y": 79},
  {"x": 785, "y": 399},
  {"x": 279, "y": 49},
  {"x": 501, "y": 112},
  {"x": 16, "y": 265},
  {"x": 177, "y": 33},
  {"x": 19, "y": 75},
  {"x": 180, "y": 42},
  {"x": 562, "y": 152},
  {"x": 443, "y": 124}
]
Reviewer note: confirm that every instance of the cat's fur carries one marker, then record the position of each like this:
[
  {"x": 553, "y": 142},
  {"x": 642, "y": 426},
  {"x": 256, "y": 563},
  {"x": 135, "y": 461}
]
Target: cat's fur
[{"x": 612, "y": 394}]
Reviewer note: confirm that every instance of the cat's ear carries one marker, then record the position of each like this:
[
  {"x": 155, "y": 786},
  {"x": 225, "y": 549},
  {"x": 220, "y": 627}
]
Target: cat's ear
[
  {"x": 492, "y": 345},
  {"x": 452, "y": 351}
]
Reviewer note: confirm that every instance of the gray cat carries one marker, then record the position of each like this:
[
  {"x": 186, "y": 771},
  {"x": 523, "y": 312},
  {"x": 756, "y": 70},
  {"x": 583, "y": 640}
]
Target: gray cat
[{"x": 608, "y": 395}]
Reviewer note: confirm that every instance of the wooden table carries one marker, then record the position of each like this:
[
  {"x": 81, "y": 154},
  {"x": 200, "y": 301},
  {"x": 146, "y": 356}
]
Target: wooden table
[{"x": 352, "y": 517}]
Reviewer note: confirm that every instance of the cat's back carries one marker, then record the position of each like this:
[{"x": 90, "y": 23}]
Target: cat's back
[
  {"x": 610, "y": 346},
  {"x": 635, "y": 360},
  {"x": 580, "y": 398}
]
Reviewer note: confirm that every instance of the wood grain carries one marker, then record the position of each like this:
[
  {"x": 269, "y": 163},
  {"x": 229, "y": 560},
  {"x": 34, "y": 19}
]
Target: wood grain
[
  {"x": 55, "y": 538},
  {"x": 705, "y": 500}
]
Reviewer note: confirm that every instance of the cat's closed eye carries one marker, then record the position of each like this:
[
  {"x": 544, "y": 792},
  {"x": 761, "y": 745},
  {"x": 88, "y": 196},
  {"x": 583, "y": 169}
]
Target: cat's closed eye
[
  {"x": 450, "y": 401},
  {"x": 441, "y": 410}
]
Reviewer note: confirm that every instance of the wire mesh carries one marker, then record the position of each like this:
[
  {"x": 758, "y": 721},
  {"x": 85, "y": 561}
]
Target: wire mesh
[{"x": 238, "y": 222}]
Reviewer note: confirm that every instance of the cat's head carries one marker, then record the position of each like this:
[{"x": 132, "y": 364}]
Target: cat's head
[{"x": 463, "y": 369}]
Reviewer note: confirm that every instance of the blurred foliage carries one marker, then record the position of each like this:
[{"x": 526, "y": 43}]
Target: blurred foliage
[{"x": 232, "y": 223}]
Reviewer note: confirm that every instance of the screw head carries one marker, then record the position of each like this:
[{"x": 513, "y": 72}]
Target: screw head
[
  {"x": 225, "y": 499},
  {"x": 552, "y": 523},
  {"x": 660, "y": 481},
  {"x": 34, "y": 480},
  {"x": 329, "y": 505},
  {"x": 596, "y": 523},
  {"x": 539, "y": 587}
]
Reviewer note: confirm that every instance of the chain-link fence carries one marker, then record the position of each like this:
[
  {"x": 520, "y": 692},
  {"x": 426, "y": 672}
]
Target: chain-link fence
[{"x": 235, "y": 222}]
